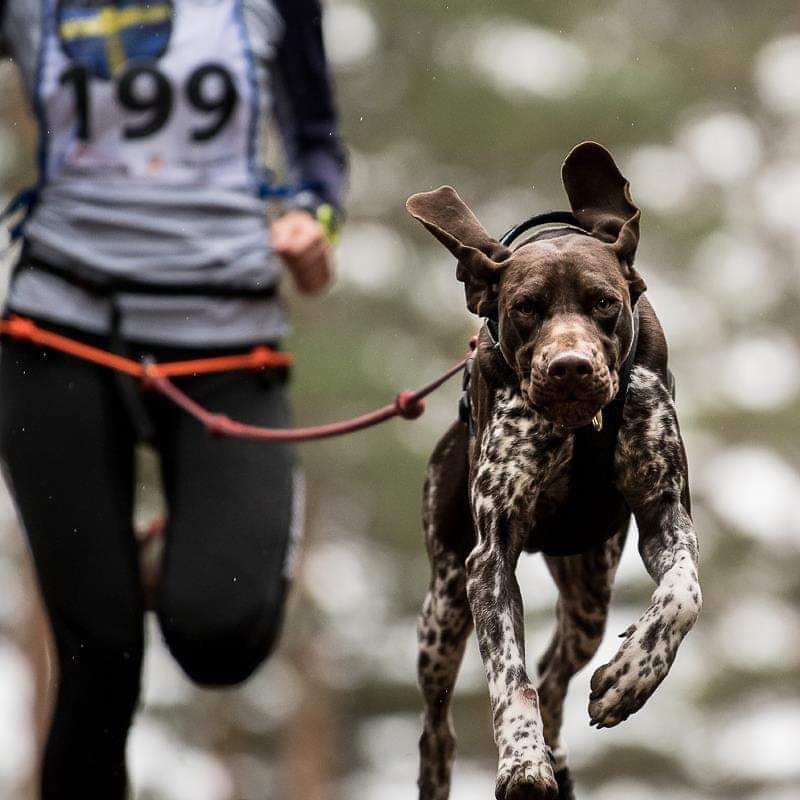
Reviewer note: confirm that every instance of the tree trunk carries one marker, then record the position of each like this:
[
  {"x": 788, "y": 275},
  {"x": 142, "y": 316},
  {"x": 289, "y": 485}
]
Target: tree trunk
[{"x": 310, "y": 752}]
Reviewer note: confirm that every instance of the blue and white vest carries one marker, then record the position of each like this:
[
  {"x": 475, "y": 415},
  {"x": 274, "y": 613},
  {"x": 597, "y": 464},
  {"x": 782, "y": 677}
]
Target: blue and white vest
[{"x": 152, "y": 116}]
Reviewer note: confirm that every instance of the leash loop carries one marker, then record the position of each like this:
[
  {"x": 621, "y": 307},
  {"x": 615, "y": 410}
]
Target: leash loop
[{"x": 157, "y": 377}]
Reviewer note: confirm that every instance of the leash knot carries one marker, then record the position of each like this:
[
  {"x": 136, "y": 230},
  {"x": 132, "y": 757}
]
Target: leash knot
[{"x": 409, "y": 406}]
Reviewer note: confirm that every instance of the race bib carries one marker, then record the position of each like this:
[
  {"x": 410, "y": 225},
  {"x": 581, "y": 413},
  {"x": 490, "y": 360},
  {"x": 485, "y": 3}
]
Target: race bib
[{"x": 164, "y": 91}]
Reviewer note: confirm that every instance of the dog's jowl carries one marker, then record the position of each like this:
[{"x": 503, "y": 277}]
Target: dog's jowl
[{"x": 572, "y": 430}]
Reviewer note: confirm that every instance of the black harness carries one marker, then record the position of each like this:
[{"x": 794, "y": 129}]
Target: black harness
[
  {"x": 596, "y": 509},
  {"x": 108, "y": 289},
  {"x": 564, "y": 219}
]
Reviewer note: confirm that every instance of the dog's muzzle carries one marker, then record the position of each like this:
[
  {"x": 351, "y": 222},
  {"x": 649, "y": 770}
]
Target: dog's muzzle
[{"x": 571, "y": 389}]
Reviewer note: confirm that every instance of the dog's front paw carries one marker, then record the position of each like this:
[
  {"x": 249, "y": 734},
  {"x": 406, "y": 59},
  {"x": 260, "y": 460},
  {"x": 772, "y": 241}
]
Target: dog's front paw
[
  {"x": 619, "y": 690},
  {"x": 624, "y": 685},
  {"x": 526, "y": 781}
]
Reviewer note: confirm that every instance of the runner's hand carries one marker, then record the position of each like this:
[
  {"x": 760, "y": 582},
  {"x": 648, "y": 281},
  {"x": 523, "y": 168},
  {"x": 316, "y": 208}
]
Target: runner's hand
[{"x": 300, "y": 241}]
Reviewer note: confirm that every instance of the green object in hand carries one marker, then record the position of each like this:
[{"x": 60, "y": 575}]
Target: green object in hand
[{"x": 329, "y": 219}]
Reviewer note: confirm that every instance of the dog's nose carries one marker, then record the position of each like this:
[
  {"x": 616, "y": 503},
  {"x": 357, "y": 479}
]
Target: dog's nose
[{"x": 570, "y": 369}]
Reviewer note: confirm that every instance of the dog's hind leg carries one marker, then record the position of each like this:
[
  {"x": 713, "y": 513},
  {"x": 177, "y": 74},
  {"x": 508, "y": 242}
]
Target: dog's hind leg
[
  {"x": 444, "y": 625},
  {"x": 584, "y": 584},
  {"x": 445, "y": 620}
]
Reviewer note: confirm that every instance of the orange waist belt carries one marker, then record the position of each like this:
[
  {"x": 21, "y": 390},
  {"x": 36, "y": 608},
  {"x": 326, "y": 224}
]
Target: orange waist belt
[{"x": 260, "y": 357}]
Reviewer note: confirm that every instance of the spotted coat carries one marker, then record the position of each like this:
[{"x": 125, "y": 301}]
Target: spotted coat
[{"x": 519, "y": 457}]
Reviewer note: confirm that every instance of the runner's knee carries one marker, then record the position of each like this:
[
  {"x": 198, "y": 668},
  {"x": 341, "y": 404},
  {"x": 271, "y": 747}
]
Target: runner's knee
[{"x": 226, "y": 645}]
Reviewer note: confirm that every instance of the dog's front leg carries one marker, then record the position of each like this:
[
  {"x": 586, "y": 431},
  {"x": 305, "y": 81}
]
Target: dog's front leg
[
  {"x": 652, "y": 474},
  {"x": 514, "y": 458},
  {"x": 524, "y": 769}
]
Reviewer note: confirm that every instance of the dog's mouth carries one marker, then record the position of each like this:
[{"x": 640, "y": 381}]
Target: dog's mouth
[
  {"x": 571, "y": 409},
  {"x": 570, "y": 414}
]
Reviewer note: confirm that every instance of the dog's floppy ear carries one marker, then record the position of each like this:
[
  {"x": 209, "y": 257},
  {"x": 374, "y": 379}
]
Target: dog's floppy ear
[
  {"x": 601, "y": 200},
  {"x": 479, "y": 256}
]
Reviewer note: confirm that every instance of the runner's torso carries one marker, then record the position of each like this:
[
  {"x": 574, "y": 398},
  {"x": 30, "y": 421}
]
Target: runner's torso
[{"x": 152, "y": 117}]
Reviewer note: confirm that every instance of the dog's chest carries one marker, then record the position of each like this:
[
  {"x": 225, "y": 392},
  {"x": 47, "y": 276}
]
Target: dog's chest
[
  {"x": 560, "y": 496},
  {"x": 523, "y": 459}
]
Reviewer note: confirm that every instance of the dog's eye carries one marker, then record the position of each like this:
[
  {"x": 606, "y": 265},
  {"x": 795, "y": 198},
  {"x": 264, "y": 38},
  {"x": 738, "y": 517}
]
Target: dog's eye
[
  {"x": 605, "y": 303},
  {"x": 526, "y": 307}
]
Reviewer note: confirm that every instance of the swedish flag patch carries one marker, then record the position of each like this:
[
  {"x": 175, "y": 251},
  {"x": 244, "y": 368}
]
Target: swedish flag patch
[{"x": 103, "y": 35}]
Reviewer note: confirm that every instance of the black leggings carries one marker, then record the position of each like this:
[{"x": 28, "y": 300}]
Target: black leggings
[{"x": 67, "y": 443}]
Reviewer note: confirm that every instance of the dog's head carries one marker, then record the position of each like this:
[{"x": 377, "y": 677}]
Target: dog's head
[{"x": 563, "y": 299}]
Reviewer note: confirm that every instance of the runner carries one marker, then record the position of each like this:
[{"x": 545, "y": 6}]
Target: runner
[{"x": 147, "y": 234}]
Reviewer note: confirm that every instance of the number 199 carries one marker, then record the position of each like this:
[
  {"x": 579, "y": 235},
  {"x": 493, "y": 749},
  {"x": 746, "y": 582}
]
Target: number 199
[{"x": 158, "y": 102}]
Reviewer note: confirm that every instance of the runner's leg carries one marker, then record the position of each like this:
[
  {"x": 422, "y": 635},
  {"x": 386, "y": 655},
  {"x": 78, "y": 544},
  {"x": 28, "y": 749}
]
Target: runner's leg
[
  {"x": 67, "y": 448},
  {"x": 230, "y": 502}
]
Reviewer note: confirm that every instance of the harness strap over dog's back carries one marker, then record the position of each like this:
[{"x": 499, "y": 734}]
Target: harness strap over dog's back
[{"x": 563, "y": 219}]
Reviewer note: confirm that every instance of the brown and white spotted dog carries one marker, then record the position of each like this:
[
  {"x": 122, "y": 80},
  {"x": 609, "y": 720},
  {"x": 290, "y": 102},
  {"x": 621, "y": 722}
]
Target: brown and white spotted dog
[{"x": 564, "y": 302}]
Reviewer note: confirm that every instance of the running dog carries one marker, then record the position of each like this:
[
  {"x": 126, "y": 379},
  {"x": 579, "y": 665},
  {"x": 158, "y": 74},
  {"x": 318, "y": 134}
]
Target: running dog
[{"x": 569, "y": 429}]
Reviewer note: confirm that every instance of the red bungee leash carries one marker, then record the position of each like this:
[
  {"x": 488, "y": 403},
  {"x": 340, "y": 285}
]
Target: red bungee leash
[{"x": 407, "y": 404}]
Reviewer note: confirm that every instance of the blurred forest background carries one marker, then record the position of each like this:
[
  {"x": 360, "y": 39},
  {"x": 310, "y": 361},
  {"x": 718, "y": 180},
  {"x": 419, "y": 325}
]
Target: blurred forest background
[{"x": 700, "y": 103}]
